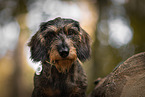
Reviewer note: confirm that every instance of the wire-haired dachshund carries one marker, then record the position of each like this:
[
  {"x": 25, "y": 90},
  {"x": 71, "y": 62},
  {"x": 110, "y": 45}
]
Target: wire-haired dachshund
[{"x": 60, "y": 45}]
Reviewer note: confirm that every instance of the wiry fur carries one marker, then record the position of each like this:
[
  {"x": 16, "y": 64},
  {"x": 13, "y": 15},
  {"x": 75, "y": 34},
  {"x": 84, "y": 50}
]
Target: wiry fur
[{"x": 60, "y": 77}]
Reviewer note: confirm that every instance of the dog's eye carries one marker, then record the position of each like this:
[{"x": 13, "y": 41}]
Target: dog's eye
[{"x": 71, "y": 32}]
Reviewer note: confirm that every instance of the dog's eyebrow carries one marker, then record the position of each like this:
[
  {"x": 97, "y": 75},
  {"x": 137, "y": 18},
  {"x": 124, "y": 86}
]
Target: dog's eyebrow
[
  {"x": 51, "y": 28},
  {"x": 69, "y": 25},
  {"x": 74, "y": 24}
]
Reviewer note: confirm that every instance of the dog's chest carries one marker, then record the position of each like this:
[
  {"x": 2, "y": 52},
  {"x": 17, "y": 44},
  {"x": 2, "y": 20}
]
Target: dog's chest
[
  {"x": 60, "y": 88},
  {"x": 61, "y": 84}
]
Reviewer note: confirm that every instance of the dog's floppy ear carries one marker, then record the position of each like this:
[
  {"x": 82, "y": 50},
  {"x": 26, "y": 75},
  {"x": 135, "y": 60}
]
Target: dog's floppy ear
[
  {"x": 84, "y": 48},
  {"x": 37, "y": 47}
]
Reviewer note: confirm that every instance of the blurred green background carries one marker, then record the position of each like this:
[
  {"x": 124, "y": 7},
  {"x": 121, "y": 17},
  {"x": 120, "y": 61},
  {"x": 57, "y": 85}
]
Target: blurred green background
[{"x": 116, "y": 27}]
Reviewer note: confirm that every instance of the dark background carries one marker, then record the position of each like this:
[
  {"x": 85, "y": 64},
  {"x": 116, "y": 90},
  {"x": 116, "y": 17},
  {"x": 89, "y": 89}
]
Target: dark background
[{"x": 116, "y": 27}]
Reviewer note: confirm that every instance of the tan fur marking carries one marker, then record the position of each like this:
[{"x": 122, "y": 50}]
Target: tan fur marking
[
  {"x": 54, "y": 28},
  {"x": 50, "y": 92},
  {"x": 51, "y": 28},
  {"x": 68, "y": 27},
  {"x": 41, "y": 38}
]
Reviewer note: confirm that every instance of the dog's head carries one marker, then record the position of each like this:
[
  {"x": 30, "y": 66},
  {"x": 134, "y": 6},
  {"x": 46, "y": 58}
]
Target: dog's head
[{"x": 61, "y": 42}]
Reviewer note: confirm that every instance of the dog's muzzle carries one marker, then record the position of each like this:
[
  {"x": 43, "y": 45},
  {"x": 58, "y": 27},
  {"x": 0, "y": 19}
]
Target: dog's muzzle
[{"x": 62, "y": 55}]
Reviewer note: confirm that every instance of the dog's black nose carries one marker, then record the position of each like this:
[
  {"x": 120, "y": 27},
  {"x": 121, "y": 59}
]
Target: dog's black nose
[{"x": 63, "y": 51}]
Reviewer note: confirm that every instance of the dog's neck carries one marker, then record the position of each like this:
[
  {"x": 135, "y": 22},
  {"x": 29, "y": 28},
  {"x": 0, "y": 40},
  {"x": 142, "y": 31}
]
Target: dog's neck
[
  {"x": 62, "y": 68},
  {"x": 49, "y": 68}
]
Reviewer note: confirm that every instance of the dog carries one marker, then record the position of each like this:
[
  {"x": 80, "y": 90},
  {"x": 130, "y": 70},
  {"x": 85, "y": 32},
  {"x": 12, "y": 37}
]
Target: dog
[{"x": 61, "y": 45}]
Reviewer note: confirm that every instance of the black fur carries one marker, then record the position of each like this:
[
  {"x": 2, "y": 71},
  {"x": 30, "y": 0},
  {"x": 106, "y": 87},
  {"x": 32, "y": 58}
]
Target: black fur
[{"x": 51, "y": 82}]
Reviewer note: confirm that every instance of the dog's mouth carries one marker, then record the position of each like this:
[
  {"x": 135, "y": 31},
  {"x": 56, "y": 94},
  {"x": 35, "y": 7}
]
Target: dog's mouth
[
  {"x": 63, "y": 65},
  {"x": 64, "y": 62}
]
